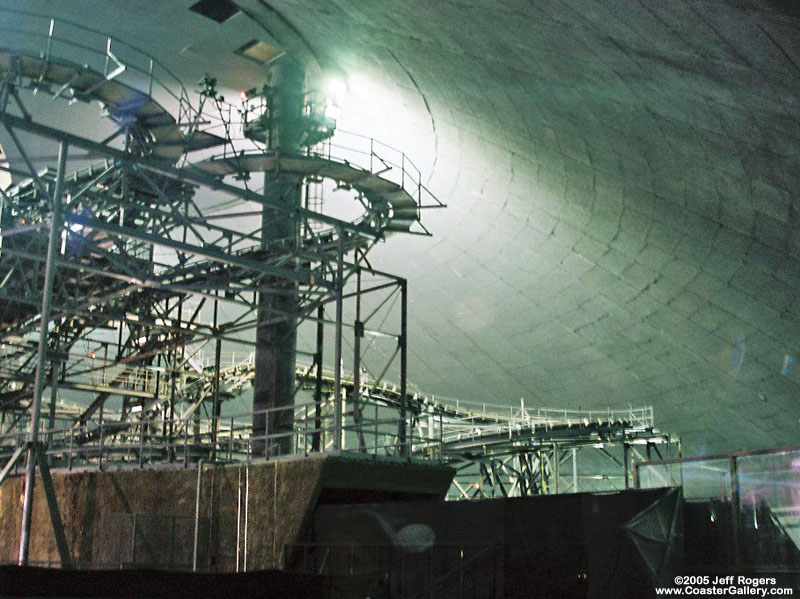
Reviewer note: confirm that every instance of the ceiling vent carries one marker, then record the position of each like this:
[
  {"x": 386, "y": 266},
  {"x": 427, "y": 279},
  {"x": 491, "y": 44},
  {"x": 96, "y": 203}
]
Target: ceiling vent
[
  {"x": 258, "y": 51},
  {"x": 216, "y": 10}
]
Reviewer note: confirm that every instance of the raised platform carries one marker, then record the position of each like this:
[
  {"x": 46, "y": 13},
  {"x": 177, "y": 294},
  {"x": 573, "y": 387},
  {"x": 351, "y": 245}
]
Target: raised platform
[{"x": 248, "y": 512}]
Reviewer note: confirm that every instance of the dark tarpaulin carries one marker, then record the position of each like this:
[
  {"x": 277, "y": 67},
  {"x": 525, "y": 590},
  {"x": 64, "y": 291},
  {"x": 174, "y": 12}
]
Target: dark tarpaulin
[
  {"x": 545, "y": 554},
  {"x": 616, "y": 568},
  {"x": 570, "y": 545},
  {"x": 18, "y": 581},
  {"x": 414, "y": 549},
  {"x": 657, "y": 533}
]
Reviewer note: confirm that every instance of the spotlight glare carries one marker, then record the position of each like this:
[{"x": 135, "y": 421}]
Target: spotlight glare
[
  {"x": 332, "y": 111},
  {"x": 336, "y": 88}
]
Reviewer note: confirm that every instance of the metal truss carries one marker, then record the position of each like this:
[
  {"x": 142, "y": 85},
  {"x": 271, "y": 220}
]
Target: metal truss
[
  {"x": 118, "y": 279},
  {"x": 591, "y": 460}
]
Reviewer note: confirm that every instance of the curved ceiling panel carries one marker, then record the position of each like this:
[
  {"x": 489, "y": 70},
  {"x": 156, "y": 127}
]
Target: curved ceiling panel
[{"x": 622, "y": 180}]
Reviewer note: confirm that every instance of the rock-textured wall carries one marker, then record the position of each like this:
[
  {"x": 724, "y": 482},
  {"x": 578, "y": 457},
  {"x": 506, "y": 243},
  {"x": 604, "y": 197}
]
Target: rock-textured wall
[{"x": 278, "y": 497}]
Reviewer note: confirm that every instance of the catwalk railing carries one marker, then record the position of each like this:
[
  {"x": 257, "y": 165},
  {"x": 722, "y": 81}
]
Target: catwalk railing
[
  {"x": 498, "y": 450},
  {"x": 189, "y": 440},
  {"x": 48, "y": 38},
  {"x": 465, "y": 420},
  {"x": 230, "y": 439}
]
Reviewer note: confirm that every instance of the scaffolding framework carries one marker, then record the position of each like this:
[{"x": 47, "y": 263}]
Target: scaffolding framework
[{"x": 131, "y": 297}]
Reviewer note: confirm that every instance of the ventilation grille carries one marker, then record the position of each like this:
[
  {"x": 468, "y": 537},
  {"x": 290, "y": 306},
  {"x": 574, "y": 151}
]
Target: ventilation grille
[{"x": 258, "y": 51}]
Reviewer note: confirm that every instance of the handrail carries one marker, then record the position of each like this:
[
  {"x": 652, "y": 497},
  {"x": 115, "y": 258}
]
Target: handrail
[
  {"x": 43, "y": 28},
  {"x": 184, "y": 439}
]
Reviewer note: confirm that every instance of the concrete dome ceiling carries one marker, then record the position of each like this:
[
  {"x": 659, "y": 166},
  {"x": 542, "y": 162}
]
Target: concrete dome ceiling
[{"x": 623, "y": 222}]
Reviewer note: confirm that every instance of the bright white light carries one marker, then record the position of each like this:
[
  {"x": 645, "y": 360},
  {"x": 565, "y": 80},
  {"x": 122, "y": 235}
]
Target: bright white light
[
  {"x": 335, "y": 89},
  {"x": 332, "y": 111},
  {"x": 135, "y": 409},
  {"x": 76, "y": 227}
]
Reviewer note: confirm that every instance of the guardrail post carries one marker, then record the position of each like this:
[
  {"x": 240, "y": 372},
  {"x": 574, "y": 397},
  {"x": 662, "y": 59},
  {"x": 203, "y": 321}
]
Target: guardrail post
[{"x": 49, "y": 40}]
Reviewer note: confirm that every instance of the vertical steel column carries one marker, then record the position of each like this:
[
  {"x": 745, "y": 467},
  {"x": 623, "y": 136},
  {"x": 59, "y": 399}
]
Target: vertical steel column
[
  {"x": 171, "y": 423},
  {"x": 36, "y": 406},
  {"x": 197, "y": 506},
  {"x": 246, "y": 513},
  {"x": 542, "y": 474},
  {"x": 626, "y": 458},
  {"x": 403, "y": 433},
  {"x": 575, "y": 470},
  {"x": 315, "y": 440},
  {"x": 51, "y": 412},
  {"x": 555, "y": 468},
  {"x": 337, "y": 376},
  {"x": 357, "y": 335},
  {"x": 276, "y": 334},
  {"x": 238, "y": 517},
  {"x": 216, "y": 409},
  {"x": 51, "y": 415}
]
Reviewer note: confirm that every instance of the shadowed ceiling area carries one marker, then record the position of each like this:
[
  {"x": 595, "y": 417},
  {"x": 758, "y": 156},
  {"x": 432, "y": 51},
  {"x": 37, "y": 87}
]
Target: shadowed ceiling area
[{"x": 621, "y": 178}]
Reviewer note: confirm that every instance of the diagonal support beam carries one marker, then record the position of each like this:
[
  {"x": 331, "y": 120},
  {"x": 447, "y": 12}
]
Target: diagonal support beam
[
  {"x": 203, "y": 252},
  {"x": 38, "y": 387},
  {"x": 12, "y": 462},
  {"x": 52, "y": 506}
]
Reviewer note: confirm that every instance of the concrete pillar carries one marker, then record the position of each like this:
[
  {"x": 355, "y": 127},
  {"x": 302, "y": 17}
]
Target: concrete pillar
[{"x": 273, "y": 385}]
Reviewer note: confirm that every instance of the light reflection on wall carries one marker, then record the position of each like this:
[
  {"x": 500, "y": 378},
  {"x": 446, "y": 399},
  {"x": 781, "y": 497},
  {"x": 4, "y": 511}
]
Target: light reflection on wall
[{"x": 391, "y": 114}]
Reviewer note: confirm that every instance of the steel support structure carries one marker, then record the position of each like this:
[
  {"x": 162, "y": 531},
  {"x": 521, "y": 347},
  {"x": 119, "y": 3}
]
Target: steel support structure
[
  {"x": 549, "y": 463},
  {"x": 273, "y": 386},
  {"x": 154, "y": 297}
]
